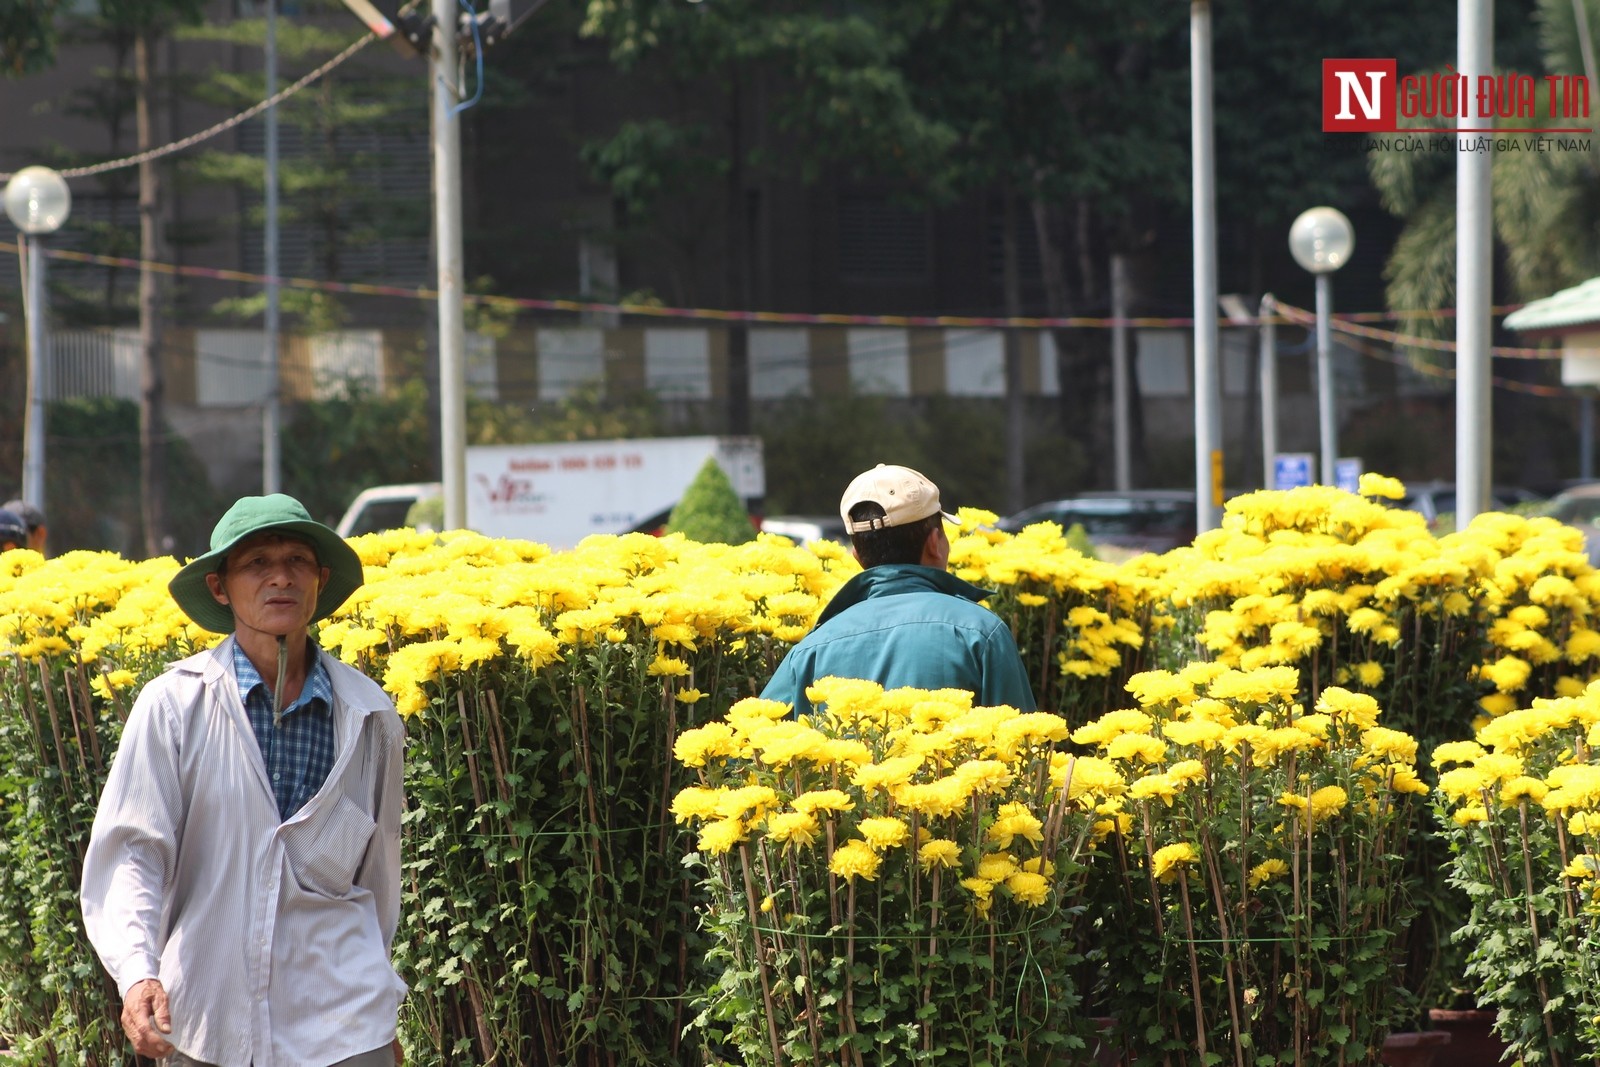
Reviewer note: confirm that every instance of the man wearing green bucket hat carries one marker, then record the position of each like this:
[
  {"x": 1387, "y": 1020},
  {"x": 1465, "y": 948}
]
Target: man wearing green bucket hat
[{"x": 242, "y": 881}]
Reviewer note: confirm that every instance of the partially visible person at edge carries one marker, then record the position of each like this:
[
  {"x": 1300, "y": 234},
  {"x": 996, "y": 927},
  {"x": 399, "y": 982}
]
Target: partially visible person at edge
[
  {"x": 242, "y": 881},
  {"x": 904, "y": 620},
  {"x": 13, "y": 530},
  {"x": 33, "y": 519}
]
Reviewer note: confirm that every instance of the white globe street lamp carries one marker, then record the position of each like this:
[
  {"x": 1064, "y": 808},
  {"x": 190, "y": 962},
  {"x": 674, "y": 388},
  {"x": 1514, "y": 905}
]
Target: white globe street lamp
[
  {"x": 1321, "y": 241},
  {"x": 37, "y": 201}
]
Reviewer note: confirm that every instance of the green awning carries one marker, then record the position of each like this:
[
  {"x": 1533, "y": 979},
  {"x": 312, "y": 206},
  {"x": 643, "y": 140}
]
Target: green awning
[{"x": 1578, "y": 306}]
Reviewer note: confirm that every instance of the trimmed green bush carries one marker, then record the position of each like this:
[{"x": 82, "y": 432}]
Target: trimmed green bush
[{"x": 711, "y": 511}]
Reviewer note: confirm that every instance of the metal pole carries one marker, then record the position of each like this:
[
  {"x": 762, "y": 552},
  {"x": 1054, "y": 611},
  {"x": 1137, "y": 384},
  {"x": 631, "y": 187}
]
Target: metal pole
[
  {"x": 1207, "y": 394},
  {"x": 1121, "y": 437},
  {"x": 446, "y": 75},
  {"x": 1269, "y": 390},
  {"x": 1474, "y": 295},
  {"x": 1327, "y": 401},
  {"x": 271, "y": 458},
  {"x": 33, "y": 421},
  {"x": 1586, "y": 435}
]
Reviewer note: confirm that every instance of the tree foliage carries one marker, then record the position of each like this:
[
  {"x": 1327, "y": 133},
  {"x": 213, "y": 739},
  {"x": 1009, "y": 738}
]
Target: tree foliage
[{"x": 711, "y": 511}]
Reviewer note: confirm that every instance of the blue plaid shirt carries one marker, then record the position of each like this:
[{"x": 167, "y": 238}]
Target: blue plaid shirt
[{"x": 299, "y": 751}]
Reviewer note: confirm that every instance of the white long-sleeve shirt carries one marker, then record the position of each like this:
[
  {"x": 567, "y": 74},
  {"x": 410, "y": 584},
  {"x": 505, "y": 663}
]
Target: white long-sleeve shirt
[{"x": 271, "y": 938}]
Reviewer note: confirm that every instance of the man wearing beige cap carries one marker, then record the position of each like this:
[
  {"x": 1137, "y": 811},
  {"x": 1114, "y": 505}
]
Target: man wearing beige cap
[{"x": 904, "y": 620}]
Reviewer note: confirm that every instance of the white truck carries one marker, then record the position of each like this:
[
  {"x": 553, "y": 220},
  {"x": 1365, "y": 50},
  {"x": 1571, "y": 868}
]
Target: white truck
[{"x": 561, "y": 492}]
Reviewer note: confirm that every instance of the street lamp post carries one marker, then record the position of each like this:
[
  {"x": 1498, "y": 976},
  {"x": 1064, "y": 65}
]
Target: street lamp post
[
  {"x": 38, "y": 201},
  {"x": 1321, "y": 241}
]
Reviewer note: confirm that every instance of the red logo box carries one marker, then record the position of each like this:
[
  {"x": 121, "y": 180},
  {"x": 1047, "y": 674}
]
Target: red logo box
[{"x": 1358, "y": 95}]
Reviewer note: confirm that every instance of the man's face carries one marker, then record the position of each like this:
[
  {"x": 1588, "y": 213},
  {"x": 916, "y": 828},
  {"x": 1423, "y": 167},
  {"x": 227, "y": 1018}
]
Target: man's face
[{"x": 271, "y": 582}]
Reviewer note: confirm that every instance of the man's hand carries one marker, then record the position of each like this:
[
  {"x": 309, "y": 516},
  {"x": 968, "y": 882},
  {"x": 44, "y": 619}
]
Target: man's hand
[
  {"x": 145, "y": 1019},
  {"x": 399, "y": 1054}
]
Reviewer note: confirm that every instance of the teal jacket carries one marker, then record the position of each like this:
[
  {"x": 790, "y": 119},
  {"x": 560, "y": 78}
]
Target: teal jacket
[{"x": 907, "y": 625}]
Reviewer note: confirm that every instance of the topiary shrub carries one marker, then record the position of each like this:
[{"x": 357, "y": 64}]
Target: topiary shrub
[{"x": 711, "y": 511}]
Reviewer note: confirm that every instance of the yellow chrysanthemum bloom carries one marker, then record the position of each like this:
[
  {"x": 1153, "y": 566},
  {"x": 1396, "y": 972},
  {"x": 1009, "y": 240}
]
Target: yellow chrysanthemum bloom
[
  {"x": 1158, "y": 786},
  {"x": 668, "y": 666},
  {"x": 823, "y": 800},
  {"x": 939, "y": 852},
  {"x": 884, "y": 831},
  {"x": 982, "y": 891},
  {"x": 1584, "y": 823},
  {"x": 996, "y": 866},
  {"x": 721, "y": 835},
  {"x": 1032, "y": 889},
  {"x": 1169, "y": 860},
  {"x": 1194, "y": 733},
  {"x": 1266, "y": 871},
  {"x": 1013, "y": 821},
  {"x": 1379, "y": 485},
  {"x": 1359, "y": 709},
  {"x": 984, "y": 776},
  {"x": 940, "y": 798},
  {"x": 1404, "y": 779},
  {"x": 1392, "y": 745},
  {"x": 1508, "y": 674},
  {"x": 855, "y": 859},
  {"x": 1274, "y": 743},
  {"x": 1370, "y": 673},
  {"x": 793, "y": 828},
  {"x": 1112, "y": 725},
  {"x": 696, "y": 747},
  {"x": 1327, "y": 801},
  {"x": 1464, "y": 784},
  {"x": 1582, "y": 867},
  {"x": 752, "y": 801},
  {"x": 1456, "y": 752},
  {"x": 1470, "y": 815},
  {"x": 897, "y": 770},
  {"x": 1523, "y": 788},
  {"x": 694, "y": 802},
  {"x": 1140, "y": 747},
  {"x": 1085, "y": 776}
]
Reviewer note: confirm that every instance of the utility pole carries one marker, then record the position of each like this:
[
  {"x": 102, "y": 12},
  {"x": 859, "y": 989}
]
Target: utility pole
[{"x": 445, "y": 78}]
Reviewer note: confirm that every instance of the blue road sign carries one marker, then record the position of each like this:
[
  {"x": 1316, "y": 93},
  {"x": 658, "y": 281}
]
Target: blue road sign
[
  {"x": 1347, "y": 474},
  {"x": 1291, "y": 470}
]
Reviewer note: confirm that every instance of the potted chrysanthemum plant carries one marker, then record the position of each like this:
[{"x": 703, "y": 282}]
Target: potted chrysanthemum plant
[
  {"x": 1258, "y": 901},
  {"x": 1520, "y": 810},
  {"x": 893, "y": 879}
]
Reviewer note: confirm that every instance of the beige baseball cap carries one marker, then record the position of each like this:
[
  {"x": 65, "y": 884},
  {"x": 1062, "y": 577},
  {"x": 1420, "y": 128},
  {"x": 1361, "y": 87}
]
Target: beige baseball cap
[{"x": 904, "y": 495}]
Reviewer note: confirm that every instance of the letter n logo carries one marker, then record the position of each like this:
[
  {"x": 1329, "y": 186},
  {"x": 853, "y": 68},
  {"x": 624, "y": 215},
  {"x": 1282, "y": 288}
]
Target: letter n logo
[{"x": 1358, "y": 95}]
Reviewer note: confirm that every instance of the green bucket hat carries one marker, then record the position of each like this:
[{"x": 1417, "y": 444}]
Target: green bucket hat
[{"x": 258, "y": 514}]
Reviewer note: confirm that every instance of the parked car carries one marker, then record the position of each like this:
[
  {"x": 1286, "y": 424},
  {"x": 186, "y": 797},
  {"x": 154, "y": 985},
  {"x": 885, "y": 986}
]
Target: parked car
[
  {"x": 1142, "y": 520},
  {"x": 1580, "y": 507},
  {"x": 804, "y": 529},
  {"x": 1433, "y": 500}
]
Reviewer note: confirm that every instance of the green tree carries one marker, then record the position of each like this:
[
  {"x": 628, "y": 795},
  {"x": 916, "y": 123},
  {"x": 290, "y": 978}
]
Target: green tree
[
  {"x": 334, "y": 162},
  {"x": 27, "y": 36},
  {"x": 711, "y": 511}
]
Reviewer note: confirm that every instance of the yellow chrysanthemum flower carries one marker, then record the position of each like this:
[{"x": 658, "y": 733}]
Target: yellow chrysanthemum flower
[
  {"x": 939, "y": 852},
  {"x": 855, "y": 859},
  {"x": 721, "y": 835},
  {"x": 884, "y": 831},
  {"x": 793, "y": 828},
  {"x": 822, "y": 800},
  {"x": 1032, "y": 889},
  {"x": 1169, "y": 860},
  {"x": 1266, "y": 871}
]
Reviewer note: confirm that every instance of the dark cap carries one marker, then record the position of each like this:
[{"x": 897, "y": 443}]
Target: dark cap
[
  {"x": 31, "y": 516},
  {"x": 13, "y": 529}
]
